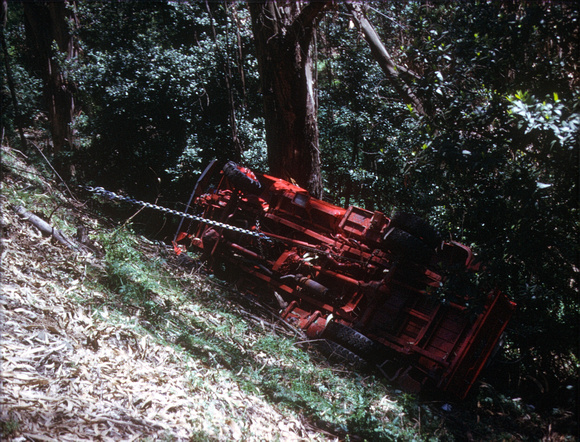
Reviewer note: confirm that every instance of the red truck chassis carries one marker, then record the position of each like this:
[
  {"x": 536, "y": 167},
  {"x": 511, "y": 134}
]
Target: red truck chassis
[{"x": 370, "y": 285}]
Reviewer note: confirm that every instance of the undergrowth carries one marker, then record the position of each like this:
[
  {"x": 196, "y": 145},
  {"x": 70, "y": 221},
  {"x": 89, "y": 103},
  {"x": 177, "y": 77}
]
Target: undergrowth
[{"x": 213, "y": 323}]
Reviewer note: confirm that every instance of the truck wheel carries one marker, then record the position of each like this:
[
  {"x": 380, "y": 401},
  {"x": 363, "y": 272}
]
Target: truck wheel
[
  {"x": 418, "y": 227},
  {"x": 336, "y": 353},
  {"x": 407, "y": 247},
  {"x": 242, "y": 179},
  {"x": 352, "y": 340}
]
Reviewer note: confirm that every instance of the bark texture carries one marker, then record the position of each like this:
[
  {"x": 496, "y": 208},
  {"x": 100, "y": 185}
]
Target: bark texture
[
  {"x": 47, "y": 28},
  {"x": 284, "y": 34}
]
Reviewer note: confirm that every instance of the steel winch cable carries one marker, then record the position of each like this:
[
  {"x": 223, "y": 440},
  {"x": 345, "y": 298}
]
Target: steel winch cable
[
  {"x": 114, "y": 196},
  {"x": 255, "y": 233}
]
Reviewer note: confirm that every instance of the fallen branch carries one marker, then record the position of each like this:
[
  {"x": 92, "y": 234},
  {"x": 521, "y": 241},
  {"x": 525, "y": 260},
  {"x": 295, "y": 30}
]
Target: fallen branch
[{"x": 47, "y": 229}]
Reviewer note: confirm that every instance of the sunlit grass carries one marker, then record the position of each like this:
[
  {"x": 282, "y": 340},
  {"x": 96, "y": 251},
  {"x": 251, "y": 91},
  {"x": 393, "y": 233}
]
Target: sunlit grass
[{"x": 206, "y": 320}]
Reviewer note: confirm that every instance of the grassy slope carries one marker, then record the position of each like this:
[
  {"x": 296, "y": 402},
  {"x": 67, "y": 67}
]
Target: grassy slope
[{"x": 125, "y": 344}]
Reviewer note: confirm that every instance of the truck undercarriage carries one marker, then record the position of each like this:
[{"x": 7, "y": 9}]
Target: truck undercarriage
[{"x": 383, "y": 289}]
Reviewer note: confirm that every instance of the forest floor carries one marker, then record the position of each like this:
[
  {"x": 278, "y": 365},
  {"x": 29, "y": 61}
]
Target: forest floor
[
  {"x": 73, "y": 370},
  {"x": 118, "y": 341}
]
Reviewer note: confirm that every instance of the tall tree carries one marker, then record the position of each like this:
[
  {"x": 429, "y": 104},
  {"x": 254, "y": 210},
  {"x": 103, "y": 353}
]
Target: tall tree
[
  {"x": 284, "y": 34},
  {"x": 9, "y": 76},
  {"x": 47, "y": 28}
]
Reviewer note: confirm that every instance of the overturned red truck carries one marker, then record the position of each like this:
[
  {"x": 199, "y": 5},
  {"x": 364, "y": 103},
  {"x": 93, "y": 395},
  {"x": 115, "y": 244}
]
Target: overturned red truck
[{"x": 374, "y": 288}]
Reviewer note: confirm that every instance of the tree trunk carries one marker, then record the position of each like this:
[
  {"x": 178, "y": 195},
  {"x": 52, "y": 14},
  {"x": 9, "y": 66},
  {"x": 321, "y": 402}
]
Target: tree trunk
[
  {"x": 10, "y": 78},
  {"x": 283, "y": 33},
  {"x": 47, "y": 23}
]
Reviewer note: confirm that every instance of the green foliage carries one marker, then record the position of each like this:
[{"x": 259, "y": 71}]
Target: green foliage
[
  {"x": 27, "y": 84},
  {"x": 152, "y": 81},
  {"x": 553, "y": 121},
  {"x": 28, "y": 92},
  {"x": 488, "y": 166},
  {"x": 9, "y": 427},
  {"x": 503, "y": 172},
  {"x": 363, "y": 125}
]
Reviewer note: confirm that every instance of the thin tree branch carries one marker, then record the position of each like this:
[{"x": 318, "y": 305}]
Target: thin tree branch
[
  {"x": 54, "y": 170},
  {"x": 383, "y": 58}
]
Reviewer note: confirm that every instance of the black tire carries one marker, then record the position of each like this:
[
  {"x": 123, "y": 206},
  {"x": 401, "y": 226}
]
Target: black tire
[
  {"x": 407, "y": 247},
  {"x": 352, "y": 340},
  {"x": 337, "y": 354},
  {"x": 240, "y": 180},
  {"x": 418, "y": 227}
]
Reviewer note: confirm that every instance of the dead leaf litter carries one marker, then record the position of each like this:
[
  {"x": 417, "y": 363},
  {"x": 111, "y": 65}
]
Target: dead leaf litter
[{"x": 68, "y": 373}]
